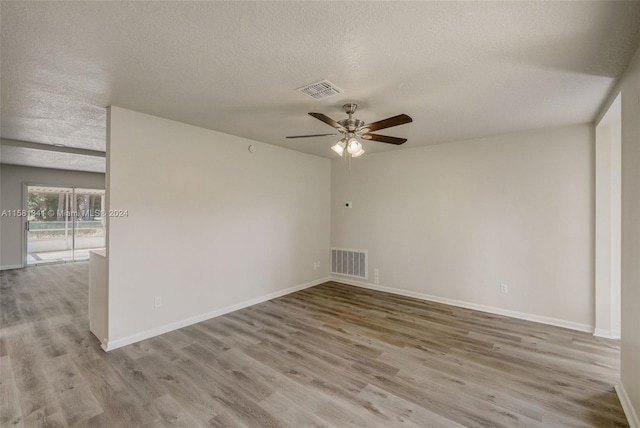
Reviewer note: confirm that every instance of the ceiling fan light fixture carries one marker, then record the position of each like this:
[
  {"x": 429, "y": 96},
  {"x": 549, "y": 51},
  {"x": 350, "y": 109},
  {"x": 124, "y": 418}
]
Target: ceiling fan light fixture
[
  {"x": 353, "y": 146},
  {"x": 339, "y": 147}
]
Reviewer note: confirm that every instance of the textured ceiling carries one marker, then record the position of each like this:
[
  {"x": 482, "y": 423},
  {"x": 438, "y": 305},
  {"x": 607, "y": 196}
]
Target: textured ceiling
[{"x": 460, "y": 69}]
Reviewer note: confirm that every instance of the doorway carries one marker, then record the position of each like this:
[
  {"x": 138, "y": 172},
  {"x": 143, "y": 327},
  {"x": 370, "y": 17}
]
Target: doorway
[
  {"x": 608, "y": 222},
  {"x": 63, "y": 223}
]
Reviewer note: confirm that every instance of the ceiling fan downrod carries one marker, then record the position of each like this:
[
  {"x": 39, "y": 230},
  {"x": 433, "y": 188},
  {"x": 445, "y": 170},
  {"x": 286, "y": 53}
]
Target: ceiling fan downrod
[{"x": 350, "y": 109}]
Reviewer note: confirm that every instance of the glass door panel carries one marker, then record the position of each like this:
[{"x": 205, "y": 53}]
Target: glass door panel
[{"x": 89, "y": 222}]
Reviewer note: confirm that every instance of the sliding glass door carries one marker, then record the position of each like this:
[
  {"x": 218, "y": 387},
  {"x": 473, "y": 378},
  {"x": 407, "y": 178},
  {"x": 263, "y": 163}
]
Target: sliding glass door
[{"x": 63, "y": 224}]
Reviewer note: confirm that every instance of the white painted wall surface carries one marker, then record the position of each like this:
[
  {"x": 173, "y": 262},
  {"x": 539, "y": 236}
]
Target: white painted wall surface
[
  {"x": 603, "y": 266},
  {"x": 616, "y": 229},
  {"x": 210, "y": 224},
  {"x": 12, "y": 178},
  {"x": 456, "y": 220}
]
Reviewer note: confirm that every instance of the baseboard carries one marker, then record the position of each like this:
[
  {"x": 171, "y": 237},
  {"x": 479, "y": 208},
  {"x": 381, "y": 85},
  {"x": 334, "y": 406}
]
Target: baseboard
[
  {"x": 467, "y": 305},
  {"x": 110, "y": 345},
  {"x": 629, "y": 411},
  {"x": 607, "y": 334},
  {"x": 11, "y": 267}
]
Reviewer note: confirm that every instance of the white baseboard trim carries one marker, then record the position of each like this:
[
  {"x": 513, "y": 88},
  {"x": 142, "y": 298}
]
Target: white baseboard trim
[
  {"x": 110, "y": 345},
  {"x": 607, "y": 334},
  {"x": 11, "y": 267},
  {"x": 629, "y": 411},
  {"x": 467, "y": 305}
]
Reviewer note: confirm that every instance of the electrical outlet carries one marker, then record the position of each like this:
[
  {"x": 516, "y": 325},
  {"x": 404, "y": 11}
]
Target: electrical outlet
[
  {"x": 504, "y": 288},
  {"x": 157, "y": 302},
  {"x": 376, "y": 276},
  {"x": 316, "y": 265}
]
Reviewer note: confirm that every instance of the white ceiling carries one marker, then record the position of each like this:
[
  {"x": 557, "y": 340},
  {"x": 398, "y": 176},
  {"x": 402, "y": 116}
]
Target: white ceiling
[{"x": 460, "y": 69}]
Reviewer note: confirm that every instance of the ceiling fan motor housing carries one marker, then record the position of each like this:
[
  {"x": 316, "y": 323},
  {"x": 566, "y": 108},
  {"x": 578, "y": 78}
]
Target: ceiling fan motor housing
[{"x": 351, "y": 125}]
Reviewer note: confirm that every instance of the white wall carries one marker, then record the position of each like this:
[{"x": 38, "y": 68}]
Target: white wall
[
  {"x": 456, "y": 220},
  {"x": 210, "y": 224},
  {"x": 12, "y": 178}
]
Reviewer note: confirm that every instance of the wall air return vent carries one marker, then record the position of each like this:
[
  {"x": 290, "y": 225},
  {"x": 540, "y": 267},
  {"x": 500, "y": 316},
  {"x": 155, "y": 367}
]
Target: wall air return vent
[
  {"x": 320, "y": 90},
  {"x": 349, "y": 262}
]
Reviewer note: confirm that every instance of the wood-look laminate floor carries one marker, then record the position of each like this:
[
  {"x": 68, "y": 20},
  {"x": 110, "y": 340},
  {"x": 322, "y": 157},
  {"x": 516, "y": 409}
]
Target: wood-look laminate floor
[{"x": 332, "y": 355}]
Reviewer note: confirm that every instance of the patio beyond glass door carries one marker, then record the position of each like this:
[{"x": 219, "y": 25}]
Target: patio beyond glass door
[{"x": 63, "y": 224}]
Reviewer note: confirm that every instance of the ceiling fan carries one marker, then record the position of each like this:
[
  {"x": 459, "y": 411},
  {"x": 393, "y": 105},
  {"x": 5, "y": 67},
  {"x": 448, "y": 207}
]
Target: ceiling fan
[{"x": 351, "y": 128}]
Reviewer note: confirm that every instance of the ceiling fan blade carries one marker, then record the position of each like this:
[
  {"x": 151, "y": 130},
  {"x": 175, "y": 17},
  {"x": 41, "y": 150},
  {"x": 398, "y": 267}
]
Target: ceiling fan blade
[
  {"x": 384, "y": 139},
  {"x": 307, "y": 136},
  {"x": 327, "y": 120},
  {"x": 400, "y": 119}
]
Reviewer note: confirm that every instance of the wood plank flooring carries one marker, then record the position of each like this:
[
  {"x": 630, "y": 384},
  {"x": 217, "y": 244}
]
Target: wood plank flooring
[{"x": 328, "y": 356}]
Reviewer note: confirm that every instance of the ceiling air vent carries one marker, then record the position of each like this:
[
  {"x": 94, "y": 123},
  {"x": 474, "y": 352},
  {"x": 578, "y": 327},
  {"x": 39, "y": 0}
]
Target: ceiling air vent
[{"x": 320, "y": 90}]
